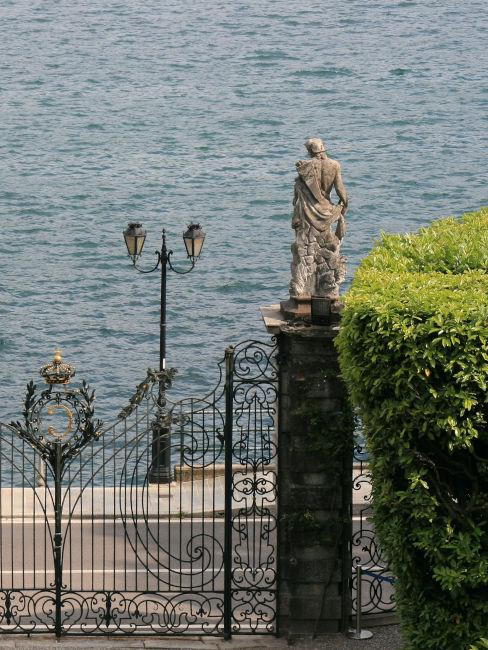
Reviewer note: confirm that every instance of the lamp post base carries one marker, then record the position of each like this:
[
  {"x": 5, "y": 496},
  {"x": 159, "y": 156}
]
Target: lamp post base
[
  {"x": 160, "y": 475},
  {"x": 160, "y": 470}
]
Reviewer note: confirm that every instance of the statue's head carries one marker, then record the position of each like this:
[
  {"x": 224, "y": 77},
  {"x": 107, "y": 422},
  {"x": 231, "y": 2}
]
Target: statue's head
[{"x": 315, "y": 146}]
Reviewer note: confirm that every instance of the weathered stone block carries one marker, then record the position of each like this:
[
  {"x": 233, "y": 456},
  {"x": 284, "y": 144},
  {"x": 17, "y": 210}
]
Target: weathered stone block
[
  {"x": 318, "y": 571},
  {"x": 299, "y": 459},
  {"x": 314, "y": 608},
  {"x": 313, "y": 479},
  {"x": 316, "y": 590},
  {"x": 314, "y": 498},
  {"x": 296, "y": 630},
  {"x": 315, "y": 554}
]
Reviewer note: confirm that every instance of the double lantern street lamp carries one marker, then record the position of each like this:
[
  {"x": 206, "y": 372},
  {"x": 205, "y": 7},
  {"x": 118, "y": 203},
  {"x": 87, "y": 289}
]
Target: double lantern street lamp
[{"x": 193, "y": 238}]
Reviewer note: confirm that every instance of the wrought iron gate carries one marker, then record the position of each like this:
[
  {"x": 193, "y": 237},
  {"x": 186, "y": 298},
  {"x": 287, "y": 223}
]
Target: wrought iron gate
[{"x": 89, "y": 546}]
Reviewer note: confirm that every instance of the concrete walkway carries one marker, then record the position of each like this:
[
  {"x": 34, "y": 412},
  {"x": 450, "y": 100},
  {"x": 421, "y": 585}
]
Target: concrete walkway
[
  {"x": 385, "y": 638},
  {"x": 204, "y": 494}
]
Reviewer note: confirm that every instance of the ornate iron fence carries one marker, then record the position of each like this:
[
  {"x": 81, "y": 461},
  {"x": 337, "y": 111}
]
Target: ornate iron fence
[
  {"x": 378, "y": 595},
  {"x": 88, "y": 545},
  {"x": 253, "y": 398}
]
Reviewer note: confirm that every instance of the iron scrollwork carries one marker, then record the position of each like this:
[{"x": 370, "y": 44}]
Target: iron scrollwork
[
  {"x": 254, "y": 453},
  {"x": 377, "y": 586}
]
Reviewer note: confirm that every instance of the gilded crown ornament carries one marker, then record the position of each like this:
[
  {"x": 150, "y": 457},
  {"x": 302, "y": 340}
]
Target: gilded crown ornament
[
  {"x": 57, "y": 372},
  {"x": 58, "y": 441}
]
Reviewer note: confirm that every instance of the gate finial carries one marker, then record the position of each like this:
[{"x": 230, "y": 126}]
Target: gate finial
[{"x": 57, "y": 372}]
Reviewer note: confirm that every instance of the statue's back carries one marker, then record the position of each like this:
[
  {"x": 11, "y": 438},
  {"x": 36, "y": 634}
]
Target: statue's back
[{"x": 329, "y": 170}]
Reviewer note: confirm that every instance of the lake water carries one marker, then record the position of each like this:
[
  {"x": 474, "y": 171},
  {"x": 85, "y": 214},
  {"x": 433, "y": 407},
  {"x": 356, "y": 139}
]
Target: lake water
[{"x": 170, "y": 112}]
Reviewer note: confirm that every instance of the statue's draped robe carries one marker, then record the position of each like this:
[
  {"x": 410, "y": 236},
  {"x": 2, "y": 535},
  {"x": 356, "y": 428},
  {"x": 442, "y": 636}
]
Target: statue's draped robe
[{"x": 317, "y": 267}]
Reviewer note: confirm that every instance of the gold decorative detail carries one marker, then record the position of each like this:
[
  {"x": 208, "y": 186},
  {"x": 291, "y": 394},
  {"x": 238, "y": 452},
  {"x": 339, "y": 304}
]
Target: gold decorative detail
[
  {"x": 57, "y": 372},
  {"x": 69, "y": 414}
]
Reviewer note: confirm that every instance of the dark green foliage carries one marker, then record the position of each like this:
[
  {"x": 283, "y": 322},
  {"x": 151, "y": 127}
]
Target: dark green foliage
[
  {"x": 414, "y": 353},
  {"x": 325, "y": 435},
  {"x": 307, "y": 530}
]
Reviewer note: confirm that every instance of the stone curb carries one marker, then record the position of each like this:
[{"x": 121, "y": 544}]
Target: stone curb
[
  {"x": 384, "y": 638},
  {"x": 190, "y": 643}
]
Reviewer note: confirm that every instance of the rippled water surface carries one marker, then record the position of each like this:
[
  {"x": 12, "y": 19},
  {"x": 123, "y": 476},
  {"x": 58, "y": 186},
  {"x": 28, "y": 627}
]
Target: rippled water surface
[{"x": 170, "y": 112}]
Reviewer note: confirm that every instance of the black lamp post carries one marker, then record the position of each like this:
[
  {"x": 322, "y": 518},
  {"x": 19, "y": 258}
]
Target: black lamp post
[{"x": 193, "y": 238}]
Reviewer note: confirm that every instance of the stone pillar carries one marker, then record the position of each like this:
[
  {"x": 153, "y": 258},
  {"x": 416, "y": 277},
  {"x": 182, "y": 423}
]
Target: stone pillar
[{"x": 315, "y": 444}]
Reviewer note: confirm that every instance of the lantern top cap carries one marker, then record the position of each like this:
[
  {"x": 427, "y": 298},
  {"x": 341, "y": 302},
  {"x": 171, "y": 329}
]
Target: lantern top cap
[
  {"x": 134, "y": 225},
  {"x": 193, "y": 228},
  {"x": 57, "y": 372}
]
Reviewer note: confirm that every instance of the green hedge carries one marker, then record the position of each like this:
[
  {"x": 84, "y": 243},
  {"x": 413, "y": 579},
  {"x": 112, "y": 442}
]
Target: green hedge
[{"x": 414, "y": 352}]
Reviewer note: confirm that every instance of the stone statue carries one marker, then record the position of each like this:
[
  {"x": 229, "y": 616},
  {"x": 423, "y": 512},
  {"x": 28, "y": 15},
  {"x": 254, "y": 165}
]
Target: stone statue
[{"x": 317, "y": 268}]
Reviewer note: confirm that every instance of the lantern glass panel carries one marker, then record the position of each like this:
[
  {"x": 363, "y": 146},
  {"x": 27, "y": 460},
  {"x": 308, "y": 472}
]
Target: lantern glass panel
[
  {"x": 134, "y": 236},
  {"x": 193, "y": 239}
]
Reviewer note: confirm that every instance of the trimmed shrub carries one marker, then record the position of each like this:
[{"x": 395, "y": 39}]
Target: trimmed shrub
[{"x": 414, "y": 352}]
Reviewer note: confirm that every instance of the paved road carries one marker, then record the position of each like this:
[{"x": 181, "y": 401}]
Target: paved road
[
  {"x": 154, "y": 555},
  {"x": 117, "y": 555},
  {"x": 180, "y": 562}
]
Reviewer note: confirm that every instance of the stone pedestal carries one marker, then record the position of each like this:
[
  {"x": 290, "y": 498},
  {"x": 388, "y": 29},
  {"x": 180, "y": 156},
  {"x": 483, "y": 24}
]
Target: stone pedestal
[
  {"x": 311, "y": 309},
  {"x": 297, "y": 307},
  {"x": 315, "y": 441}
]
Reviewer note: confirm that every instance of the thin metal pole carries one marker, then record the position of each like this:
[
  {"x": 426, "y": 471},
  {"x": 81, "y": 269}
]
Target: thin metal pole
[
  {"x": 161, "y": 447},
  {"x": 358, "y": 633},
  {"x": 228, "y": 489},
  {"x": 58, "y": 538},
  {"x": 162, "y": 320}
]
